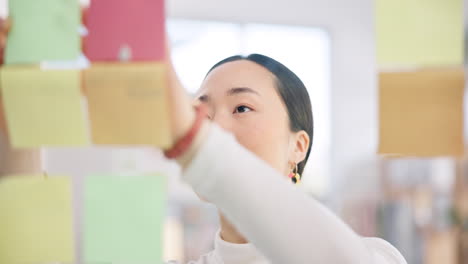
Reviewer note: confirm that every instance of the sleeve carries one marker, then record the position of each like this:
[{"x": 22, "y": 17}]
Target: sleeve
[
  {"x": 286, "y": 225},
  {"x": 383, "y": 252},
  {"x": 209, "y": 258}
]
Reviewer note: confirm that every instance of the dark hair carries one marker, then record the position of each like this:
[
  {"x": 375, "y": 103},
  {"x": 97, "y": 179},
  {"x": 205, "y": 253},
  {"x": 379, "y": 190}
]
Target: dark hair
[{"x": 293, "y": 93}]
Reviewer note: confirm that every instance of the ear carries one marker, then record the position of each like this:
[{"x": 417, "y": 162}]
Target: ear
[{"x": 299, "y": 145}]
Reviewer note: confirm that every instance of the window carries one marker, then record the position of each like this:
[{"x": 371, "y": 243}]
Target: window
[{"x": 198, "y": 45}]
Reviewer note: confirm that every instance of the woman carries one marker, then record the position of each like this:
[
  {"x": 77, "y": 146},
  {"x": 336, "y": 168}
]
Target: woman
[{"x": 259, "y": 131}]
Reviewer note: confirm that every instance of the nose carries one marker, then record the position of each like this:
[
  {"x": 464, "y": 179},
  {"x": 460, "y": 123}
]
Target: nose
[{"x": 221, "y": 118}]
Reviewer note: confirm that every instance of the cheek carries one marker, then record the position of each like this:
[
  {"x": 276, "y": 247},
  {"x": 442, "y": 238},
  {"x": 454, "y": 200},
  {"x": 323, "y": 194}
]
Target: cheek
[{"x": 265, "y": 137}]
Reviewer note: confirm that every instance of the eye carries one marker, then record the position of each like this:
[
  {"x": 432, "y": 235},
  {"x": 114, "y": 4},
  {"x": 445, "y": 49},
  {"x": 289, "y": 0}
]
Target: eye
[{"x": 242, "y": 109}]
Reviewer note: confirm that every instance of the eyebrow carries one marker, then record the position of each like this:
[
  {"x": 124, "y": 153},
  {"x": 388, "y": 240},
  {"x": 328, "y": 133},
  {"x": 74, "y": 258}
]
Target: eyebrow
[
  {"x": 233, "y": 91},
  {"x": 239, "y": 90}
]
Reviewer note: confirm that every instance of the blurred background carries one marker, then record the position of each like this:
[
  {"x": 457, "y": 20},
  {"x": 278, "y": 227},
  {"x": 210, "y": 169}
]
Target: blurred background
[{"x": 420, "y": 205}]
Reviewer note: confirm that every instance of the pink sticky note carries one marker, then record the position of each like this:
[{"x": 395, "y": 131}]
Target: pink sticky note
[{"x": 125, "y": 30}]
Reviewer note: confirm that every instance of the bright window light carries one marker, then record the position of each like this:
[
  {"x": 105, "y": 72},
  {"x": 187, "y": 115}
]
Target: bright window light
[{"x": 198, "y": 45}]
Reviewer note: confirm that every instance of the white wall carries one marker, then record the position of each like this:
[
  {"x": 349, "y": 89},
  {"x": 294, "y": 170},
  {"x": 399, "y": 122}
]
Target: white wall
[{"x": 354, "y": 93}]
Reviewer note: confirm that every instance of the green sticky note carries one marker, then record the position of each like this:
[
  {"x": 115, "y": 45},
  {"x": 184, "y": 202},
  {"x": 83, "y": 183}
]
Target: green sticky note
[
  {"x": 419, "y": 32},
  {"x": 123, "y": 219},
  {"x": 43, "y": 107},
  {"x": 36, "y": 220},
  {"x": 43, "y": 30}
]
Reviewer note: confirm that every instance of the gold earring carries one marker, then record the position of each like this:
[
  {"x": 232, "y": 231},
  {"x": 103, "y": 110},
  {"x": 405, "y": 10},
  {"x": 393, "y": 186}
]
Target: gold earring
[{"x": 294, "y": 175}]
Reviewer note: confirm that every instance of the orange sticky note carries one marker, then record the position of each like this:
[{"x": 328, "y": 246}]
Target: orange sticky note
[
  {"x": 442, "y": 247},
  {"x": 421, "y": 113},
  {"x": 127, "y": 104}
]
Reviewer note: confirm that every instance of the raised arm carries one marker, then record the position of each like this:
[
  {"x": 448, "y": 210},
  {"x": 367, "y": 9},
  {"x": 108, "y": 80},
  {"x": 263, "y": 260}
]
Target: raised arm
[
  {"x": 13, "y": 161},
  {"x": 284, "y": 223}
]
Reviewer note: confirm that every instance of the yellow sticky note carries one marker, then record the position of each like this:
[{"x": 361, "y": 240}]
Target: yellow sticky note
[
  {"x": 127, "y": 104},
  {"x": 43, "y": 108},
  {"x": 419, "y": 32},
  {"x": 36, "y": 220},
  {"x": 421, "y": 113}
]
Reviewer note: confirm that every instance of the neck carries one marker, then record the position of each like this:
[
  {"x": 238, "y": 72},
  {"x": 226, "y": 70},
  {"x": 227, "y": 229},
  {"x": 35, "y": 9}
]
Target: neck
[{"x": 229, "y": 232}]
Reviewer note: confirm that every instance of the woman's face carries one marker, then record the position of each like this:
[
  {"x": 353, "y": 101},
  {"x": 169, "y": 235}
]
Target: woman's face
[{"x": 242, "y": 98}]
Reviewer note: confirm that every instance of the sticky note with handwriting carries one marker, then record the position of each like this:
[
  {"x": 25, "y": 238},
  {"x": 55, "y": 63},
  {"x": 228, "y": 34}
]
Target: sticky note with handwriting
[{"x": 127, "y": 104}]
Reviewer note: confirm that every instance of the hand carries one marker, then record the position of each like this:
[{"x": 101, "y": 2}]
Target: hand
[
  {"x": 182, "y": 114},
  {"x": 5, "y": 25},
  {"x": 4, "y": 29},
  {"x": 14, "y": 161}
]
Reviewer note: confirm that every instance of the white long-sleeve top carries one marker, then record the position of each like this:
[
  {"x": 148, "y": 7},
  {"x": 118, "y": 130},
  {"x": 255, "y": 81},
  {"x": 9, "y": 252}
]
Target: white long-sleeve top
[{"x": 283, "y": 224}]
